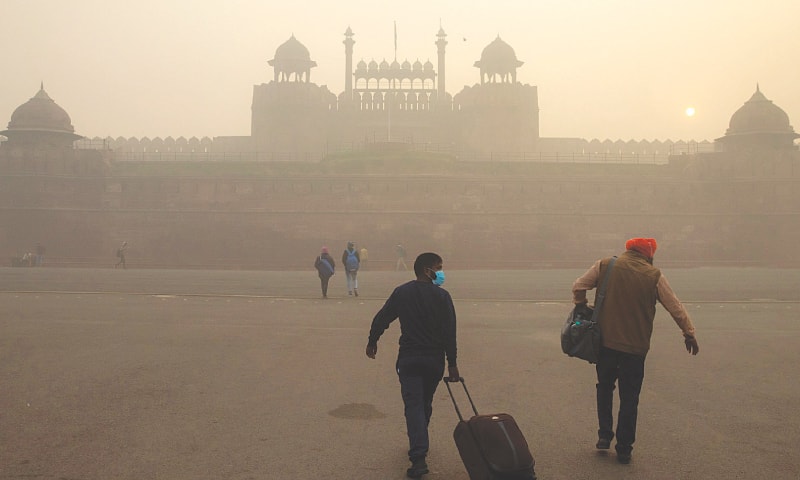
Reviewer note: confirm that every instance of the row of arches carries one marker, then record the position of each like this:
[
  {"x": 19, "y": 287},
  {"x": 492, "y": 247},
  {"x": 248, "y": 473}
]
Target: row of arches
[
  {"x": 375, "y": 83},
  {"x": 145, "y": 144},
  {"x": 394, "y": 67},
  {"x": 402, "y": 101}
]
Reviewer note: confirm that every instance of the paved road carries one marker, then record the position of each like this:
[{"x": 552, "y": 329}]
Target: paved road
[{"x": 165, "y": 374}]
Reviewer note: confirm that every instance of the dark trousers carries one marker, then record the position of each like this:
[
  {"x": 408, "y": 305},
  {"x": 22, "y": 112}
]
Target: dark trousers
[
  {"x": 323, "y": 280},
  {"x": 629, "y": 370},
  {"x": 419, "y": 376}
]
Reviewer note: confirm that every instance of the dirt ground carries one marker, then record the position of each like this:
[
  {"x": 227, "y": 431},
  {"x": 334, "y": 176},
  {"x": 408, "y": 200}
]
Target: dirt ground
[{"x": 167, "y": 374}]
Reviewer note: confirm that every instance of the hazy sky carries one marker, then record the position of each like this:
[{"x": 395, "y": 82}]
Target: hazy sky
[{"x": 604, "y": 68}]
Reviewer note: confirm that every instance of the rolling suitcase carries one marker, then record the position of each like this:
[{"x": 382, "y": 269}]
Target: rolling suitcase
[{"x": 492, "y": 447}]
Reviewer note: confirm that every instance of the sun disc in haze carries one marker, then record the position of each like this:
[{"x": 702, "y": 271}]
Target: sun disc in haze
[{"x": 690, "y": 111}]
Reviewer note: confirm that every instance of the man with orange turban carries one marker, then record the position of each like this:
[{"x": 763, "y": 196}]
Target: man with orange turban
[{"x": 626, "y": 324}]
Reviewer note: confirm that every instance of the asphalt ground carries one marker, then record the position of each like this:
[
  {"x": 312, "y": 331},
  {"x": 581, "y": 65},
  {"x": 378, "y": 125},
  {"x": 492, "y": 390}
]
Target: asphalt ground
[{"x": 168, "y": 374}]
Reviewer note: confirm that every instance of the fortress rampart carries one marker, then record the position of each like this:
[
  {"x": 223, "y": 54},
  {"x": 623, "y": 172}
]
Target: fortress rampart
[
  {"x": 704, "y": 210},
  {"x": 219, "y": 148},
  {"x": 486, "y": 190}
]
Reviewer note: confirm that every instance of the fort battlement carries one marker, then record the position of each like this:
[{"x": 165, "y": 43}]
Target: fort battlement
[
  {"x": 473, "y": 181},
  {"x": 706, "y": 209},
  {"x": 551, "y": 150}
]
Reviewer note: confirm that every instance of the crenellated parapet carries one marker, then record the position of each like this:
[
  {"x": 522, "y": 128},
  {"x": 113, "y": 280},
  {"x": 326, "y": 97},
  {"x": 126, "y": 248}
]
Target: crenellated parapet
[
  {"x": 624, "y": 147},
  {"x": 148, "y": 145},
  {"x": 606, "y": 151}
]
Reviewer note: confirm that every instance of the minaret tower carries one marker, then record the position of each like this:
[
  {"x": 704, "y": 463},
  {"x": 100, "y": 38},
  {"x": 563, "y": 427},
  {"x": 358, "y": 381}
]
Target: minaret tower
[
  {"x": 441, "y": 43},
  {"x": 348, "y": 73}
]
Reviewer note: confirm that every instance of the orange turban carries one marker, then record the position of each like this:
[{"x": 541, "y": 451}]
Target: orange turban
[{"x": 645, "y": 246}]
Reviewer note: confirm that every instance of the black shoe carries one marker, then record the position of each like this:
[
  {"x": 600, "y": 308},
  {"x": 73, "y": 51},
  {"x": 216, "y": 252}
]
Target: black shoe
[
  {"x": 355, "y": 292},
  {"x": 603, "y": 444},
  {"x": 417, "y": 469},
  {"x": 624, "y": 458}
]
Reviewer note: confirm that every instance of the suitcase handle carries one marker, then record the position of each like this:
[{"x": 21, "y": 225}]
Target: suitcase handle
[{"x": 461, "y": 381}]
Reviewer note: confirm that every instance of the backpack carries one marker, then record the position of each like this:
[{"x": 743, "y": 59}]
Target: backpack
[
  {"x": 324, "y": 267},
  {"x": 352, "y": 261}
]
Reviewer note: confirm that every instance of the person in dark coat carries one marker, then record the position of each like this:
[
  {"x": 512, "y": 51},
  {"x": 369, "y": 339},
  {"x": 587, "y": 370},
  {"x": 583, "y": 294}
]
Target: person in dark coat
[
  {"x": 121, "y": 255},
  {"x": 326, "y": 268},
  {"x": 427, "y": 339}
]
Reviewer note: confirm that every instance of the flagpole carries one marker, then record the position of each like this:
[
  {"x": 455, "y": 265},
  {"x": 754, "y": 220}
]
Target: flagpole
[{"x": 391, "y": 91}]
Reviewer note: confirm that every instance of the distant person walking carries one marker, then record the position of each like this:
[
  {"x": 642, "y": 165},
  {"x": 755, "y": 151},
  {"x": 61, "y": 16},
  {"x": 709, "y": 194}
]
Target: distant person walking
[
  {"x": 39, "y": 259},
  {"x": 351, "y": 261},
  {"x": 363, "y": 254},
  {"x": 121, "y": 255},
  {"x": 626, "y": 325},
  {"x": 326, "y": 268},
  {"x": 400, "y": 251}
]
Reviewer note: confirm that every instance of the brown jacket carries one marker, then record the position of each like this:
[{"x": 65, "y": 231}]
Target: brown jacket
[{"x": 626, "y": 318}]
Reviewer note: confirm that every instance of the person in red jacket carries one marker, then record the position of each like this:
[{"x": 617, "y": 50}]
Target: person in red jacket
[{"x": 626, "y": 325}]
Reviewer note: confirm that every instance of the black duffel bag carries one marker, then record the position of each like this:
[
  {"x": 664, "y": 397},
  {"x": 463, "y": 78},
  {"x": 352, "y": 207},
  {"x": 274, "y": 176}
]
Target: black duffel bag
[{"x": 580, "y": 335}]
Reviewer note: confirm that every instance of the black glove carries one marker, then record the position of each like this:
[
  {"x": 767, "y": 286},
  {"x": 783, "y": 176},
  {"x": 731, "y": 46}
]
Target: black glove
[{"x": 691, "y": 344}]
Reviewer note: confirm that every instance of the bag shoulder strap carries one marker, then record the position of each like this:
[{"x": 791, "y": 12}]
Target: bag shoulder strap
[{"x": 601, "y": 292}]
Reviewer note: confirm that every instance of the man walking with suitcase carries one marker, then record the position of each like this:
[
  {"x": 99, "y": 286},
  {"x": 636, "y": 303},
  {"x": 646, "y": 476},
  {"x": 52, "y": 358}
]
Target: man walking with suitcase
[
  {"x": 427, "y": 337},
  {"x": 626, "y": 324}
]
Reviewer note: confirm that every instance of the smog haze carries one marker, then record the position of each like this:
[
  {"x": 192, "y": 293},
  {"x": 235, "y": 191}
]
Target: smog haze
[{"x": 613, "y": 69}]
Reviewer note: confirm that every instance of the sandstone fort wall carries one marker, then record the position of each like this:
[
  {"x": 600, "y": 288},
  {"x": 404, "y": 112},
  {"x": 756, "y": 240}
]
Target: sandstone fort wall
[{"x": 704, "y": 211}]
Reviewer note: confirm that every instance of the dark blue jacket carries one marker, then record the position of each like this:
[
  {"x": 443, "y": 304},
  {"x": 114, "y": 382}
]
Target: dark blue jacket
[{"x": 427, "y": 320}]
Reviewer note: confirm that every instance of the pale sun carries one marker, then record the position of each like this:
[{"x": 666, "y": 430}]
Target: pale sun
[{"x": 690, "y": 112}]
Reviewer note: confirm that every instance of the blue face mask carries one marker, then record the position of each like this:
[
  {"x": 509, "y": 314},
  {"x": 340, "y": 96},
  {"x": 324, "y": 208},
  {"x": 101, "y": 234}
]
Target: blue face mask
[{"x": 438, "y": 280}]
